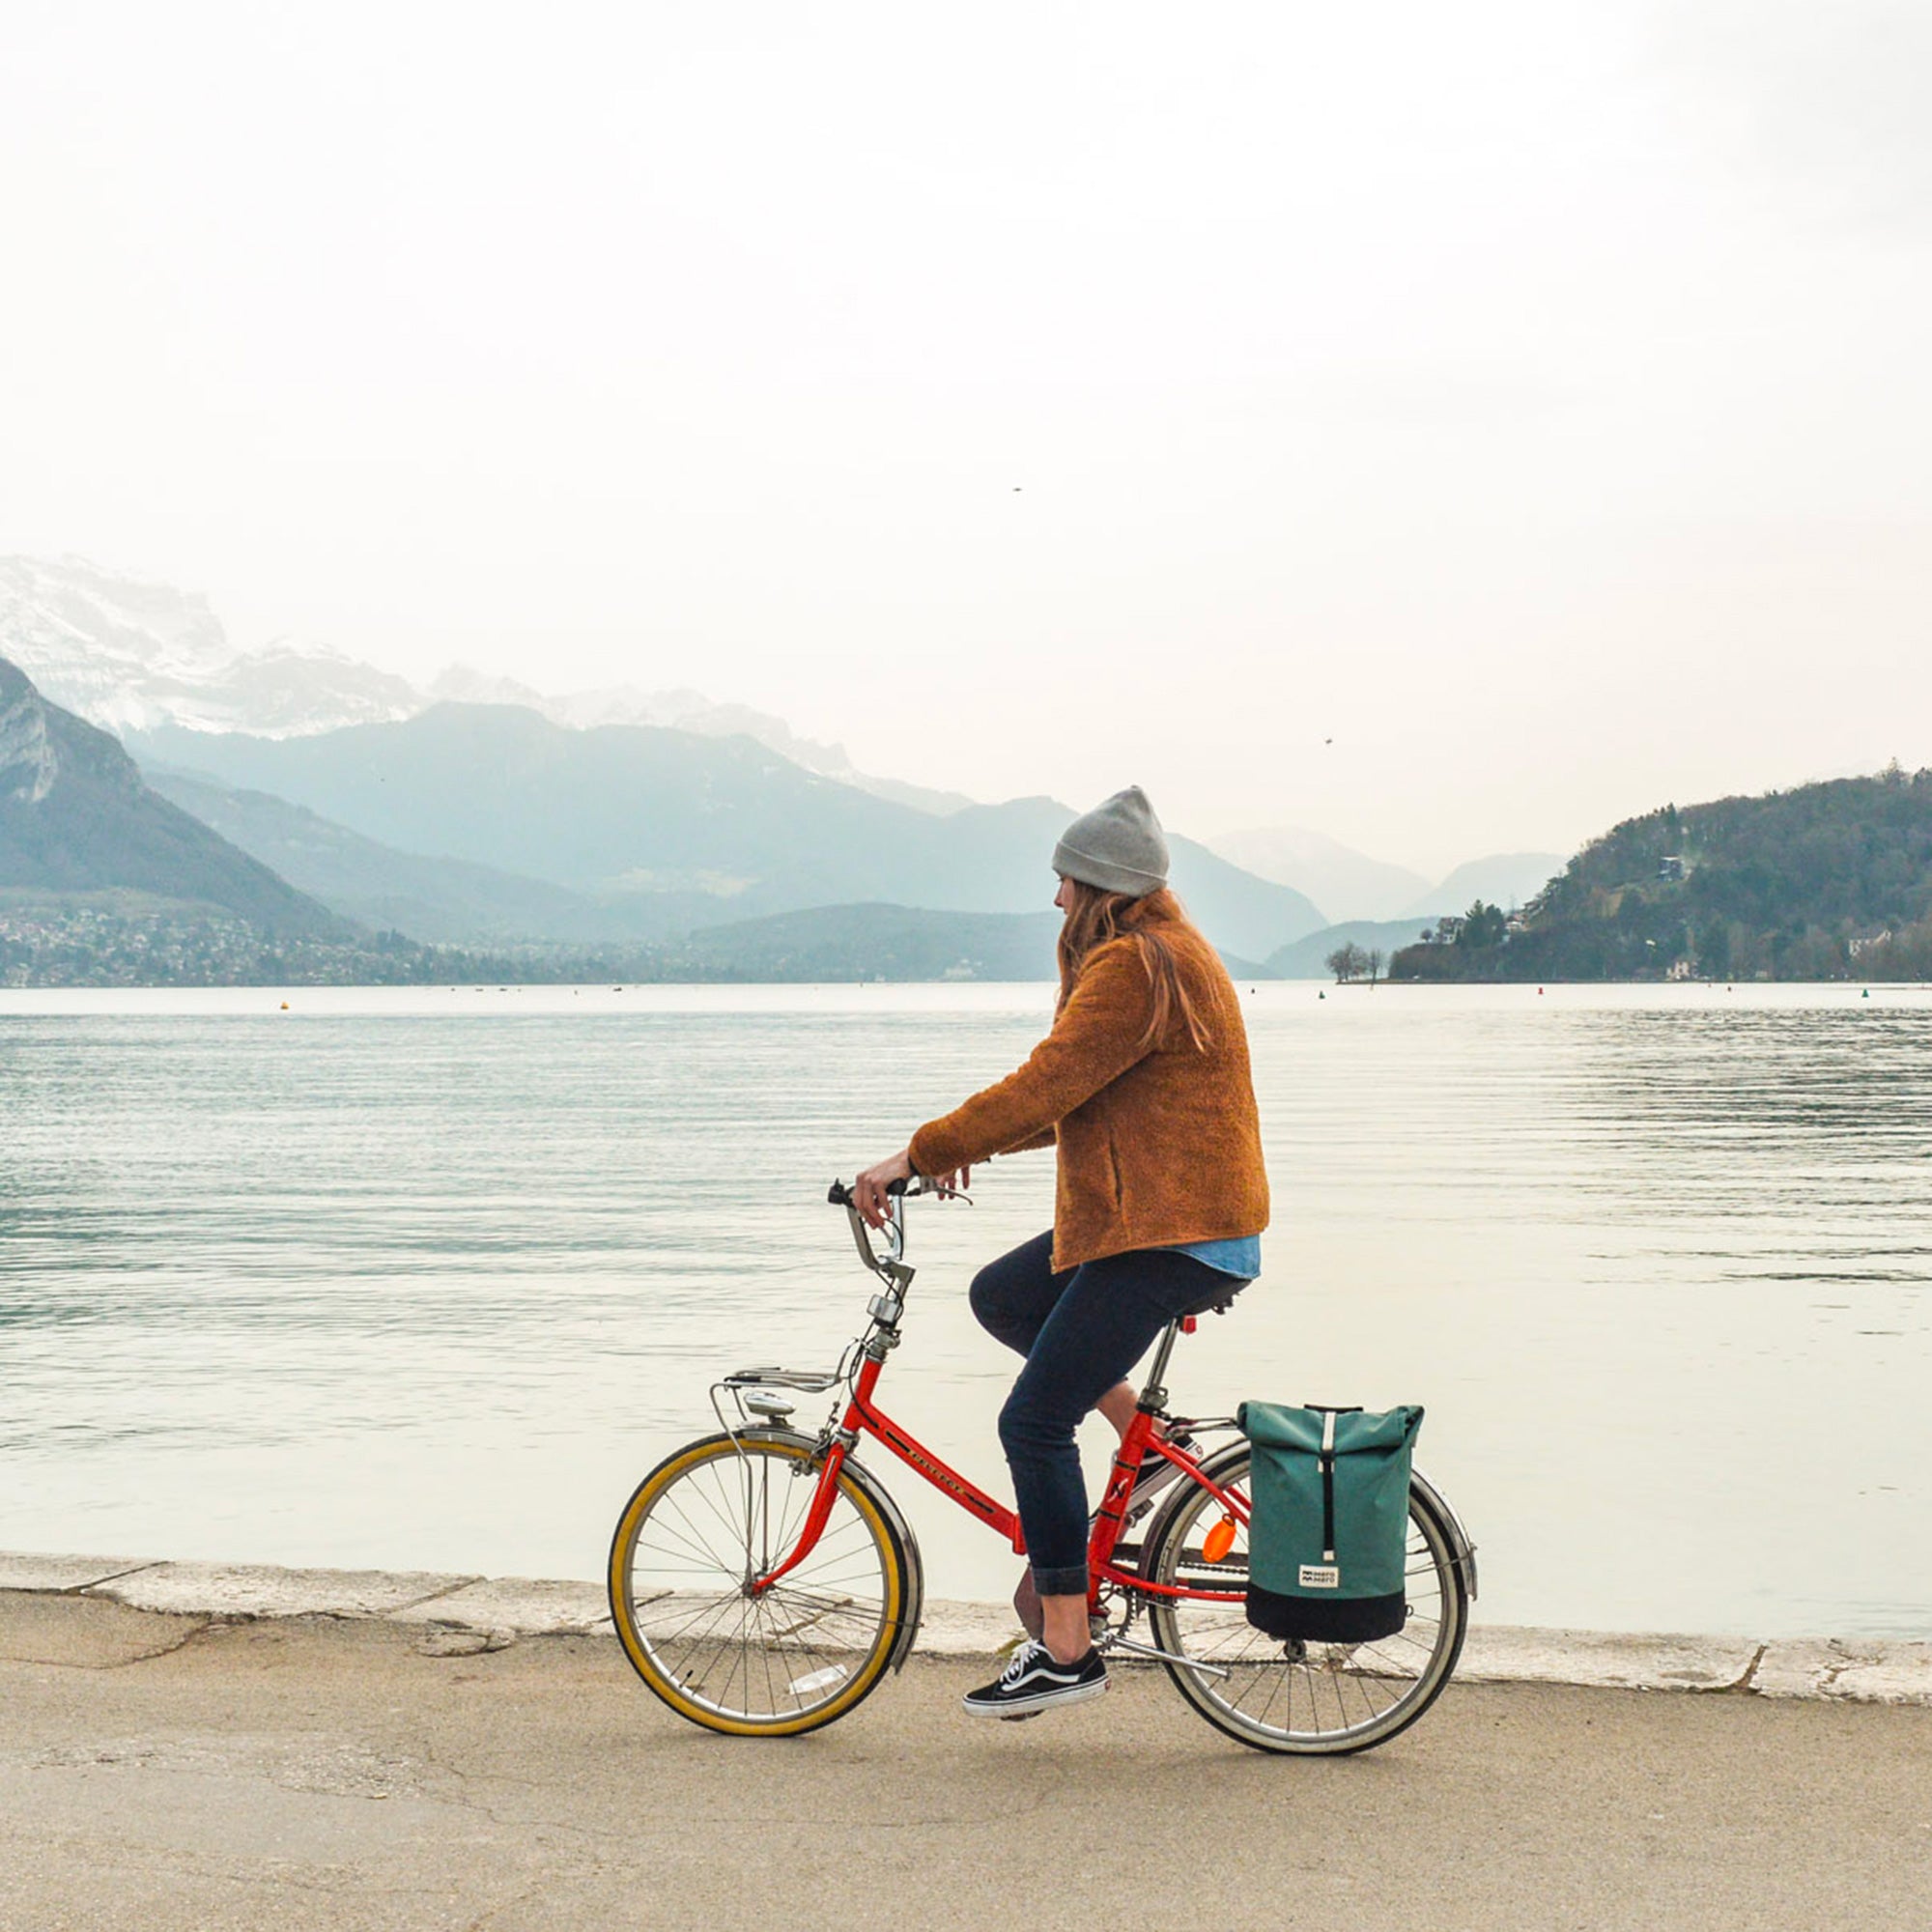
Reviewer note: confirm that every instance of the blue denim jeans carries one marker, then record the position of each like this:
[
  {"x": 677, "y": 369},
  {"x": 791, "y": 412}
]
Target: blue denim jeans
[{"x": 1081, "y": 1331}]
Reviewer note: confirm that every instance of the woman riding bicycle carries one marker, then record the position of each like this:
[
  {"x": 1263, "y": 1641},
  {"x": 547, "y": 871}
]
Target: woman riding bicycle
[{"x": 1143, "y": 1085}]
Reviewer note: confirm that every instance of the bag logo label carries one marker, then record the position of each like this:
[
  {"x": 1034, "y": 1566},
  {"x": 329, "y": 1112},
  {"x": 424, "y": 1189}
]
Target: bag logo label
[{"x": 1320, "y": 1576}]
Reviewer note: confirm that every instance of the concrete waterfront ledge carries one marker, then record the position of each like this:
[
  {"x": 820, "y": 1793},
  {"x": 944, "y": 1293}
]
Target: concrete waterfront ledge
[{"x": 461, "y": 1613}]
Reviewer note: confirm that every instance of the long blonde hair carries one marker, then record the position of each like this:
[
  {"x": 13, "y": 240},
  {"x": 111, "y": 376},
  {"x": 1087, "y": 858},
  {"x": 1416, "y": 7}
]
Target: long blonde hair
[{"x": 1097, "y": 916}]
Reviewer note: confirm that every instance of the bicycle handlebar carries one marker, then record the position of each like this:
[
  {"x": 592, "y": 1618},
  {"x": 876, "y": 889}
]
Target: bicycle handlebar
[{"x": 841, "y": 1196}]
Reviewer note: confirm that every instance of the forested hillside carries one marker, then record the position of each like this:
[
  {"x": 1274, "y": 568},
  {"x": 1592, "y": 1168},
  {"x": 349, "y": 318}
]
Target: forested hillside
[{"x": 1823, "y": 882}]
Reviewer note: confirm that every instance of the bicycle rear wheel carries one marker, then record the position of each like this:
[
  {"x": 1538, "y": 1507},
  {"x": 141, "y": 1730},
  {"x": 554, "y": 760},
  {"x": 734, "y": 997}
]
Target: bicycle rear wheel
[
  {"x": 1318, "y": 1699},
  {"x": 698, "y": 1528}
]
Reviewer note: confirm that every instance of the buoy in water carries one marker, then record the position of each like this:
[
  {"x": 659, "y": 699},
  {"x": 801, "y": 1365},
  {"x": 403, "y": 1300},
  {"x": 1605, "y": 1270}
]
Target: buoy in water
[{"x": 285, "y": 1005}]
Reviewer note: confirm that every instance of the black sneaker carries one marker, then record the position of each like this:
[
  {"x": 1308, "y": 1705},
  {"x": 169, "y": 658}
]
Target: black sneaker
[{"x": 1033, "y": 1681}]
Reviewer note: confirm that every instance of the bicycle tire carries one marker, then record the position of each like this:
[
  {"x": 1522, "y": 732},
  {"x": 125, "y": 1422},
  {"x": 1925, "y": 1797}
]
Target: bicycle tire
[
  {"x": 1331, "y": 1699},
  {"x": 799, "y": 1656}
]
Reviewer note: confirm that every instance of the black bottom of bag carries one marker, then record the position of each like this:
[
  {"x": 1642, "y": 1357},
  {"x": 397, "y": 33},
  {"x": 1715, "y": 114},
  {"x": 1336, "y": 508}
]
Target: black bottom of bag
[{"x": 1326, "y": 1620}]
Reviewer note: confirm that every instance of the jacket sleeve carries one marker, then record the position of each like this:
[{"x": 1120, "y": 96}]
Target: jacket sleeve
[{"x": 1094, "y": 1039}]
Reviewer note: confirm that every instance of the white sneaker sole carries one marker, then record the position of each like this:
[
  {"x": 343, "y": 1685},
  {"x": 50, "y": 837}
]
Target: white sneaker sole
[{"x": 1040, "y": 1700}]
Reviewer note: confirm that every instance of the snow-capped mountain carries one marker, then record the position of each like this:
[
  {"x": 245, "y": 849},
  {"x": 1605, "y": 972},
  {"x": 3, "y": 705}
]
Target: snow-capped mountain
[
  {"x": 126, "y": 654},
  {"x": 94, "y": 642},
  {"x": 131, "y": 655}
]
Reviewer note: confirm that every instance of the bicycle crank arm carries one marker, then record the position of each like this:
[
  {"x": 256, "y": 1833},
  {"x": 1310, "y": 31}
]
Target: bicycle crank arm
[{"x": 1168, "y": 1657}]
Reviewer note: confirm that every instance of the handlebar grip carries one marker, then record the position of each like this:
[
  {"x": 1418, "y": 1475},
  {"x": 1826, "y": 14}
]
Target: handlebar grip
[{"x": 841, "y": 1196}]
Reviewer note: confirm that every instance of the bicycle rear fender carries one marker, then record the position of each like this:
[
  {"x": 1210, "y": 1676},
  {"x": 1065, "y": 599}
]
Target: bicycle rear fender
[
  {"x": 881, "y": 1497},
  {"x": 1460, "y": 1547}
]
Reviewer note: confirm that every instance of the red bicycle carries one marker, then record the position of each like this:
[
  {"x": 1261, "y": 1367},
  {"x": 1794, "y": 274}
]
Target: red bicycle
[{"x": 763, "y": 1581}]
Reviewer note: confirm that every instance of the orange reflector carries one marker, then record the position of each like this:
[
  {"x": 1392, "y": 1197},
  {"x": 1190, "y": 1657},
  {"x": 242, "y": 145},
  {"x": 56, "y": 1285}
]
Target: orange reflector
[{"x": 1219, "y": 1540}]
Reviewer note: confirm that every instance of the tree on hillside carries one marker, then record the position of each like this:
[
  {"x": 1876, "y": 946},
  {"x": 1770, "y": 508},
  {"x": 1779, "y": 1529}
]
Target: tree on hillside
[
  {"x": 1348, "y": 962},
  {"x": 1482, "y": 925}
]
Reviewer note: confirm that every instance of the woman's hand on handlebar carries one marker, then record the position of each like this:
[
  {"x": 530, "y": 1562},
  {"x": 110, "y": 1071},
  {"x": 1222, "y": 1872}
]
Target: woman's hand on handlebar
[{"x": 868, "y": 1190}]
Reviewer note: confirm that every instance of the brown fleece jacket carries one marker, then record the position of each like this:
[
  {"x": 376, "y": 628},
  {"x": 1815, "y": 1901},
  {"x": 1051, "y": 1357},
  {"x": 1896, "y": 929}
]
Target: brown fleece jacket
[{"x": 1155, "y": 1148}]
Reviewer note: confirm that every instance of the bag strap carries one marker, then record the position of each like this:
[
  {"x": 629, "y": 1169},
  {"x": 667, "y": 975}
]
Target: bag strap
[{"x": 1327, "y": 1467}]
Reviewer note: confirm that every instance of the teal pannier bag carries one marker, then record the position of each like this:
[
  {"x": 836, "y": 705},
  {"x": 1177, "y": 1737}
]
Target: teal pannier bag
[{"x": 1329, "y": 1492}]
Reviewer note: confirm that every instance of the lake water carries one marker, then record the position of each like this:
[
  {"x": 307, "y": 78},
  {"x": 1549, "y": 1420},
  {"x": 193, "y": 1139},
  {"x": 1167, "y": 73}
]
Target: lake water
[{"x": 428, "y": 1278}]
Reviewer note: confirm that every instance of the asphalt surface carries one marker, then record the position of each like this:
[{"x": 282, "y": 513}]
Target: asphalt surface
[{"x": 168, "y": 1772}]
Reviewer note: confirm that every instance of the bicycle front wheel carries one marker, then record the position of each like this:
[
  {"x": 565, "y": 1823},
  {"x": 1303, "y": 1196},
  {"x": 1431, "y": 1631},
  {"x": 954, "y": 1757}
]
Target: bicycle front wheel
[
  {"x": 700, "y": 1527},
  {"x": 1319, "y": 1699}
]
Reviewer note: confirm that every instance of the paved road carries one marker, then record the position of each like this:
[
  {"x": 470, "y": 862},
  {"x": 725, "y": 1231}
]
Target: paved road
[{"x": 160, "y": 1772}]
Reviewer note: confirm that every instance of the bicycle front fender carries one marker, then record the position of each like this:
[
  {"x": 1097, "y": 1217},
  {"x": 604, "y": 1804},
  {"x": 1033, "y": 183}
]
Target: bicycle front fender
[{"x": 915, "y": 1566}]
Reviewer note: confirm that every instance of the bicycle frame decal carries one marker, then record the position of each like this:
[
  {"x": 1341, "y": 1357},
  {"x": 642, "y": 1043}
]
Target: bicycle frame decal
[{"x": 941, "y": 1475}]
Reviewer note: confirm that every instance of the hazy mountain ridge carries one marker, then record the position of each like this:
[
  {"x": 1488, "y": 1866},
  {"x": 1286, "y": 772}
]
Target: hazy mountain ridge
[
  {"x": 1824, "y": 881},
  {"x": 620, "y": 812},
  {"x": 1346, "y": 884},
  {"x": 684, "y": 710},
  {"x": 441, "y": 902},
  {"x": 1351, "y": 888},
  {"x": 617, "y": 809}
]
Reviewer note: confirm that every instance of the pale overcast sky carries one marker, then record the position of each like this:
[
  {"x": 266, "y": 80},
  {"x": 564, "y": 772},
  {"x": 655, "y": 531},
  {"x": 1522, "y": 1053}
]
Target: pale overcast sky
[{"x": 1533, "y": 399}]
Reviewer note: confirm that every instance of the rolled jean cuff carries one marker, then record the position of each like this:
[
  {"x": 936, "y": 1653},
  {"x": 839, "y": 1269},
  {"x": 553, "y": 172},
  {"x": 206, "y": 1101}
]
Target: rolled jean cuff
[{"x": 1069, "y": 1582}]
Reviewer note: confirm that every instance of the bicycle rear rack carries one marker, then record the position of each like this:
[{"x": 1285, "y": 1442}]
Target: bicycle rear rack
[
  {"x": 808, "y": 1382},
  {"x": 750, "y": 1389}
]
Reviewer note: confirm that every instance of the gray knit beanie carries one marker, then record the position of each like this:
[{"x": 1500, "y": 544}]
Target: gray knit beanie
[{"x": 1117, "y": 846}]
